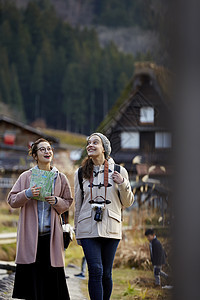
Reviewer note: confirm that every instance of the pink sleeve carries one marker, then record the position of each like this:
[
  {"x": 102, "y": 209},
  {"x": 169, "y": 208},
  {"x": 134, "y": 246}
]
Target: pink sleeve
[{"x": 17, "y": 197}]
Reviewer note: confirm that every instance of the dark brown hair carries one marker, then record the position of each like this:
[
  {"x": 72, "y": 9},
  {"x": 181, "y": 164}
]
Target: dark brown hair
[
  {"x": 87, "y": 167},
  {"x": 34, "y": 147}
]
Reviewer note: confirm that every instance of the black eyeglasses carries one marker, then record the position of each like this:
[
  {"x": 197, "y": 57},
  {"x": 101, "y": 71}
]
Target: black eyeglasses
[{"x": 43, "y": 149}]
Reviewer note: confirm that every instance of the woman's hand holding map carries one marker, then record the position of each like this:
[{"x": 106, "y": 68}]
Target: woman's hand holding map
[{"x": 35, "y": 190}]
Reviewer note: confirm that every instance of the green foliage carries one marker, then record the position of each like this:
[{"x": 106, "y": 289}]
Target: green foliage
[
  {"x": 130, "y": 290},
  {"x": 52, "y": 71},
  {"x": 15, "y": 92}
]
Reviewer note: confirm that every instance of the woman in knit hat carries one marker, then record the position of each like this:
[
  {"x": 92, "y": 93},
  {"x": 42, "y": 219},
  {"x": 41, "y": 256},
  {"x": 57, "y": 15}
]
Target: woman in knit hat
[{"x": 100, "y": 193}]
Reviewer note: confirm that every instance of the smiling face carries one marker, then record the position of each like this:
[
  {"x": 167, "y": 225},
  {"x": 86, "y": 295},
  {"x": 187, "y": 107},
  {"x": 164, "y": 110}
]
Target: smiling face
[
  {"x": 95, "y": 147},
  {"x": 44, "y": 153}
]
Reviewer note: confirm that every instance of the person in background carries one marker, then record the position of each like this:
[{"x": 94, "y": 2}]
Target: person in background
[
  {"x": 158, "y": 256},
  {"x": 98, "y": 206},
  {"x": 40, "y": 251},
  {"x": 83, "y": 268}
]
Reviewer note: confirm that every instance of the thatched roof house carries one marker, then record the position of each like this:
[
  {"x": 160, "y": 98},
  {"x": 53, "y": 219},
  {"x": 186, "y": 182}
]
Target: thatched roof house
[{"x": 139, "y": 124}]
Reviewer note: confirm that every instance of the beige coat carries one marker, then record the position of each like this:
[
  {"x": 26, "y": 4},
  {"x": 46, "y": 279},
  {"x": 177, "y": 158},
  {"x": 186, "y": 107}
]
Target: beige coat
[
  {"x": 111, "y": 224},
  {"x": 27, "y": 235}
]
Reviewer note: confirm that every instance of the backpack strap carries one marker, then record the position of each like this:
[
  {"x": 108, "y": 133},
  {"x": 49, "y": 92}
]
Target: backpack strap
[{"x": 80, "y": 179}]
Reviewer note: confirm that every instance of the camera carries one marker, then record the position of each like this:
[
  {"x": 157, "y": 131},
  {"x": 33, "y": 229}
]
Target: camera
[{"x": 99, "y": 212}]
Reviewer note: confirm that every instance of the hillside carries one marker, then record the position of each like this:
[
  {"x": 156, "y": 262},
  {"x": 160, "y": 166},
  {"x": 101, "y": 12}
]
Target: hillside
[
  {"x": 132, "y": 40},
  {"x": 55, "y": 72},
  {"x": 131, "y": 25},
  {"x": 59, "y": 72}
]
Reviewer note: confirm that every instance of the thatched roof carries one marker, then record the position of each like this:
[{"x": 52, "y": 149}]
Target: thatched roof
[
  {"x": 157, "y": 73},
  {"x": 160, "y": 78}
]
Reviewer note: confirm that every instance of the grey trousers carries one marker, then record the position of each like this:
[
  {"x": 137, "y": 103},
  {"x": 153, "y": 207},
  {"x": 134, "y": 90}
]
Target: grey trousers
[{"x": 158, "y": 273}]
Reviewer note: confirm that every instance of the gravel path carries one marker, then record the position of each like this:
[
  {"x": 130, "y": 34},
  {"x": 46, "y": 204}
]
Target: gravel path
[{"x": 73, "y": 283}]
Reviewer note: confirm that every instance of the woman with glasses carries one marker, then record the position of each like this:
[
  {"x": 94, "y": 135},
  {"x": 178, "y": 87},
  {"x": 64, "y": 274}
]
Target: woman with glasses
[
  {"x": 101, "y": 189},
  {"x": 40, "y": 251}
]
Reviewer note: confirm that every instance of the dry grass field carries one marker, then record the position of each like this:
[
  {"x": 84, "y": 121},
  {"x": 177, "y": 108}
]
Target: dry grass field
[{"x": 132, "y": 272}]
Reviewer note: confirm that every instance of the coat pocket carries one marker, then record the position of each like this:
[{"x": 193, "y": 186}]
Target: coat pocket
[
  {"x": 114, "y": 222},
  {"x": 84, "y": 222}
]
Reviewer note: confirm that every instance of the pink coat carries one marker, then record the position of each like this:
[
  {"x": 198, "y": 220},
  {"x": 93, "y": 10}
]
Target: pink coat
[{"x": 27, "y": 235}]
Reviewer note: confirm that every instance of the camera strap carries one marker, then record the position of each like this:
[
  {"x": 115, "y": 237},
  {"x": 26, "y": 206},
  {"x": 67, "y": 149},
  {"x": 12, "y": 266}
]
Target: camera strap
[{"x": 105, "y": 179}]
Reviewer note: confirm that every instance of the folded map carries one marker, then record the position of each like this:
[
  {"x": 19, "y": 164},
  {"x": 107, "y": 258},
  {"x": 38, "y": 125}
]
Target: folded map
[{"x": 43, "y": 179}]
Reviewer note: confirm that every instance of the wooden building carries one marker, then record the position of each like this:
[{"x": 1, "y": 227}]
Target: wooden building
[
  {"x": 139, "y": 127},
  {"x": 15, "y": 140}
]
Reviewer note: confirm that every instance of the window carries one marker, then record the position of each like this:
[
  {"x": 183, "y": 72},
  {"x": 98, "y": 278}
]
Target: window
[
  {"x": 163, "y": 140},
  {"x": 147, "y": 114},
  {"x": 130, "y": 140}
]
